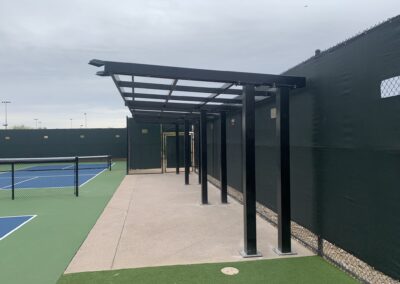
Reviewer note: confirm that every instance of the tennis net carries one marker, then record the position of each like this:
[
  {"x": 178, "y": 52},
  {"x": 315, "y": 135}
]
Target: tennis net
[{"x": 50, "y": 173}]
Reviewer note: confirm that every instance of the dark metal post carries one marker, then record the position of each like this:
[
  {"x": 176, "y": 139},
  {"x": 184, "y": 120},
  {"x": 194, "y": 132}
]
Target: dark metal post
[
  {"x": 320, "y": 249},
  {"x": 177, "y": 147},
  {"x": 223, "y": 170},
  {"x": 249, "y": 173},
  {"x": 128, "y": 146},
  {"x": 12, "y": 181},
  {"x": 76, "y": 176},
  {"x": 198, "y": 152},
  {"x": 187, "y": 151},
  {"x": 283, "y": 183},
  {"x": 109, "y": 161},
  {"x": 203, "y": 149}
]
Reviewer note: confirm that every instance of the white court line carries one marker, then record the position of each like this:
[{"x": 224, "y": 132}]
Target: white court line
[
  {"x": 29, "y": 188},
  {"x": 45, "y": 176},
  {"x": 12, "y": 231},
  {"x": 20, "y": 182},
  {"x": 4, "y": 188},
  {"x": 96, "y": 175},
  {"x": 66, "y": 167}
]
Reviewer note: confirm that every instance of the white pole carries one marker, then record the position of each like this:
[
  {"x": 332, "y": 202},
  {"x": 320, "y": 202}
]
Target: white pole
[{"x": 5, "y": 108}]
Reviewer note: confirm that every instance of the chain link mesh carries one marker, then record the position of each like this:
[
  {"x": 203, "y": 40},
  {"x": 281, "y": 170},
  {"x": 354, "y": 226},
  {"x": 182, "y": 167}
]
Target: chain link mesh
[
  {"x": 390, "y": 87},
  {"x": 335, "y": 255}
]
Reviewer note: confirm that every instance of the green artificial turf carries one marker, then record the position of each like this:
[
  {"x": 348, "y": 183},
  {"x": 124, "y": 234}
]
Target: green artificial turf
[
  {"x": 287, "y": 270},
  {"x": 40, "y": 251}
]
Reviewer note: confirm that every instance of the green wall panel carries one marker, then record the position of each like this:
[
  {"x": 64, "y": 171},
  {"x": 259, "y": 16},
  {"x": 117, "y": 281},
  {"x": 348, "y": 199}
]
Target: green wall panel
[{"x": 62, "y": 142}]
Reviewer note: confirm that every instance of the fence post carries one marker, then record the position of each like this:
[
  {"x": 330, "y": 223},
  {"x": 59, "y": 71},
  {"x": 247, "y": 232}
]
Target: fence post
[
  {"x": 12, "y": 181},
  {"x": 76, "y": 176},
  {"x": 187, "y": 151},
  {"x": 320, "y": 248},
  {"x": 128, "y": 147}
]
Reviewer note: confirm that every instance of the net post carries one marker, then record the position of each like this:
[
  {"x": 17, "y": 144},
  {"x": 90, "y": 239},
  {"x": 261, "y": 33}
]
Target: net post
[
  {"x": 12, "y": 181},
  {"x": 128, "y": 149},
  {"x": 76, "y": 176},
  {"x": 109, "y": 162}
]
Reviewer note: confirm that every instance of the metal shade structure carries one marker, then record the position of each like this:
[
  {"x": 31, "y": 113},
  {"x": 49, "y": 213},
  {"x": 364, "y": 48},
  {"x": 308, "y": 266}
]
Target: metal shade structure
[
  {"x": 174, "y": 95},
  {"x": 165, "y": 92}
]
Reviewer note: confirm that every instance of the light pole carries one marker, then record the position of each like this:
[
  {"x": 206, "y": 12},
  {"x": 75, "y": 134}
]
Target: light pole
[
  {"x": 71, "y": 122},
  {"x": 36, "y": 121},
  {"x": 40, "y": 124},
  {"x": 85, "y": 114},
  {"x": 5, "y": 107}
]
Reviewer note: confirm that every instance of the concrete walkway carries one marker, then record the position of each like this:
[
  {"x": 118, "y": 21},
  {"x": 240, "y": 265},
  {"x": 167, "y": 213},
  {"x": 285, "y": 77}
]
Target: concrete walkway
[{"x": 155, "y": 220}]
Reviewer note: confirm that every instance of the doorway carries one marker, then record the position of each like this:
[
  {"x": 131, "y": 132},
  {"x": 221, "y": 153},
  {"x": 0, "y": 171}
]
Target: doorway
[{"x": 169, "y": 152}]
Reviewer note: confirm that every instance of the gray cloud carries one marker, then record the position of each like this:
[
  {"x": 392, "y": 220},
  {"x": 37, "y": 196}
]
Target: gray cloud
[{"x": 45, "y": 45}]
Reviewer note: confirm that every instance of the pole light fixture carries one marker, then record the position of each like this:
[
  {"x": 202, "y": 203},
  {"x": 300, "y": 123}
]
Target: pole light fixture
[{"x": 5, "y": 110}]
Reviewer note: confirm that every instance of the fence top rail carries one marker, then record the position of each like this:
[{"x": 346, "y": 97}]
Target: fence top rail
[
  {"x": 94, "y": 157},
  {"x": 49, "y": 159}
]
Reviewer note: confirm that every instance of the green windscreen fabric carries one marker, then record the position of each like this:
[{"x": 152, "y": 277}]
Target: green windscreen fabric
[
  {"x": 345, "y": 147},
  {"x": 30, "y": 143},
  {"x": 353, "y": 181},
  {"x": 145, "y": 145}
]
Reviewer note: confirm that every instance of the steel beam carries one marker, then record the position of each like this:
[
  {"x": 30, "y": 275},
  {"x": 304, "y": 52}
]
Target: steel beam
[
  {"x": 224, "y": 88},
  {"x": 283, "y": 183},
  {"x": 171, "y": 114},
  {"x": 166, "y": 87},
  {"x": 168, "y": 72},
  {"x": 177, "y": 147},
  {"x": 178, "y": 106},
  {"x": 187, "y": 152},
  {"x": 157, "y": 120},
  {"x": 180, "y": 98},
  {"x": 249, "y": 171},
  {"x": 171, "y": 90},
  {"x": 203, "y": 149},
  {"x": 223, "y": 163}
]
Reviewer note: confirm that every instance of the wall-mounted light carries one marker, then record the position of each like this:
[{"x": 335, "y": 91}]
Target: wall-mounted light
[{"x": 273, "y": 113}]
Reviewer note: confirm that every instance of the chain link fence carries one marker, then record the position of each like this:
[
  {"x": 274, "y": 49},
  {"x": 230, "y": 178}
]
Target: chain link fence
[
  {"x": 335, "y": 255},
  {"x": 390, "y": 87}
]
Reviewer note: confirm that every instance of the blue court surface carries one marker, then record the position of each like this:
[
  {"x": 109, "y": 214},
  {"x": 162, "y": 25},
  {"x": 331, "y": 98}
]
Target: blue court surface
[
  {"x": 10, "y": 224},
  {"x": 50, "y": 176}
]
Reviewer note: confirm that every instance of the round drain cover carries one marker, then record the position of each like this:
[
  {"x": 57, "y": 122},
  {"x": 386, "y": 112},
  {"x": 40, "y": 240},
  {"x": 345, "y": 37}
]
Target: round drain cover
[{"x": 230, "y": 270}]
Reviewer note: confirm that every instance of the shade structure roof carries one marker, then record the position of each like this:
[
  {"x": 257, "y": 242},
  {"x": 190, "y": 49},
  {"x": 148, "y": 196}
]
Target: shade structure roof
[{"x": 169, "y": 94}]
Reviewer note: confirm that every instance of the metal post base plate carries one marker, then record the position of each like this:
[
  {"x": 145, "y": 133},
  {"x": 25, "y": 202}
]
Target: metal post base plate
[
  {"x": 278, "y": 252},
  {"x": 245, "y": 255}
]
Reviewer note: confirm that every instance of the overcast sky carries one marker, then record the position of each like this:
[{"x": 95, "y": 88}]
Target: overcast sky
[{"x": 45, "y": 46}]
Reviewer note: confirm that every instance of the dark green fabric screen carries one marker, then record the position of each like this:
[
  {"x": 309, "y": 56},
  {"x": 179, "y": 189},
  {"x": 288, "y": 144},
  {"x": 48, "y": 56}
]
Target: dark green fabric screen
[
  {"x": 345, "y": 148},
  {"x": 145, "y": 140},
  {"x": 62, "y": 142}
]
